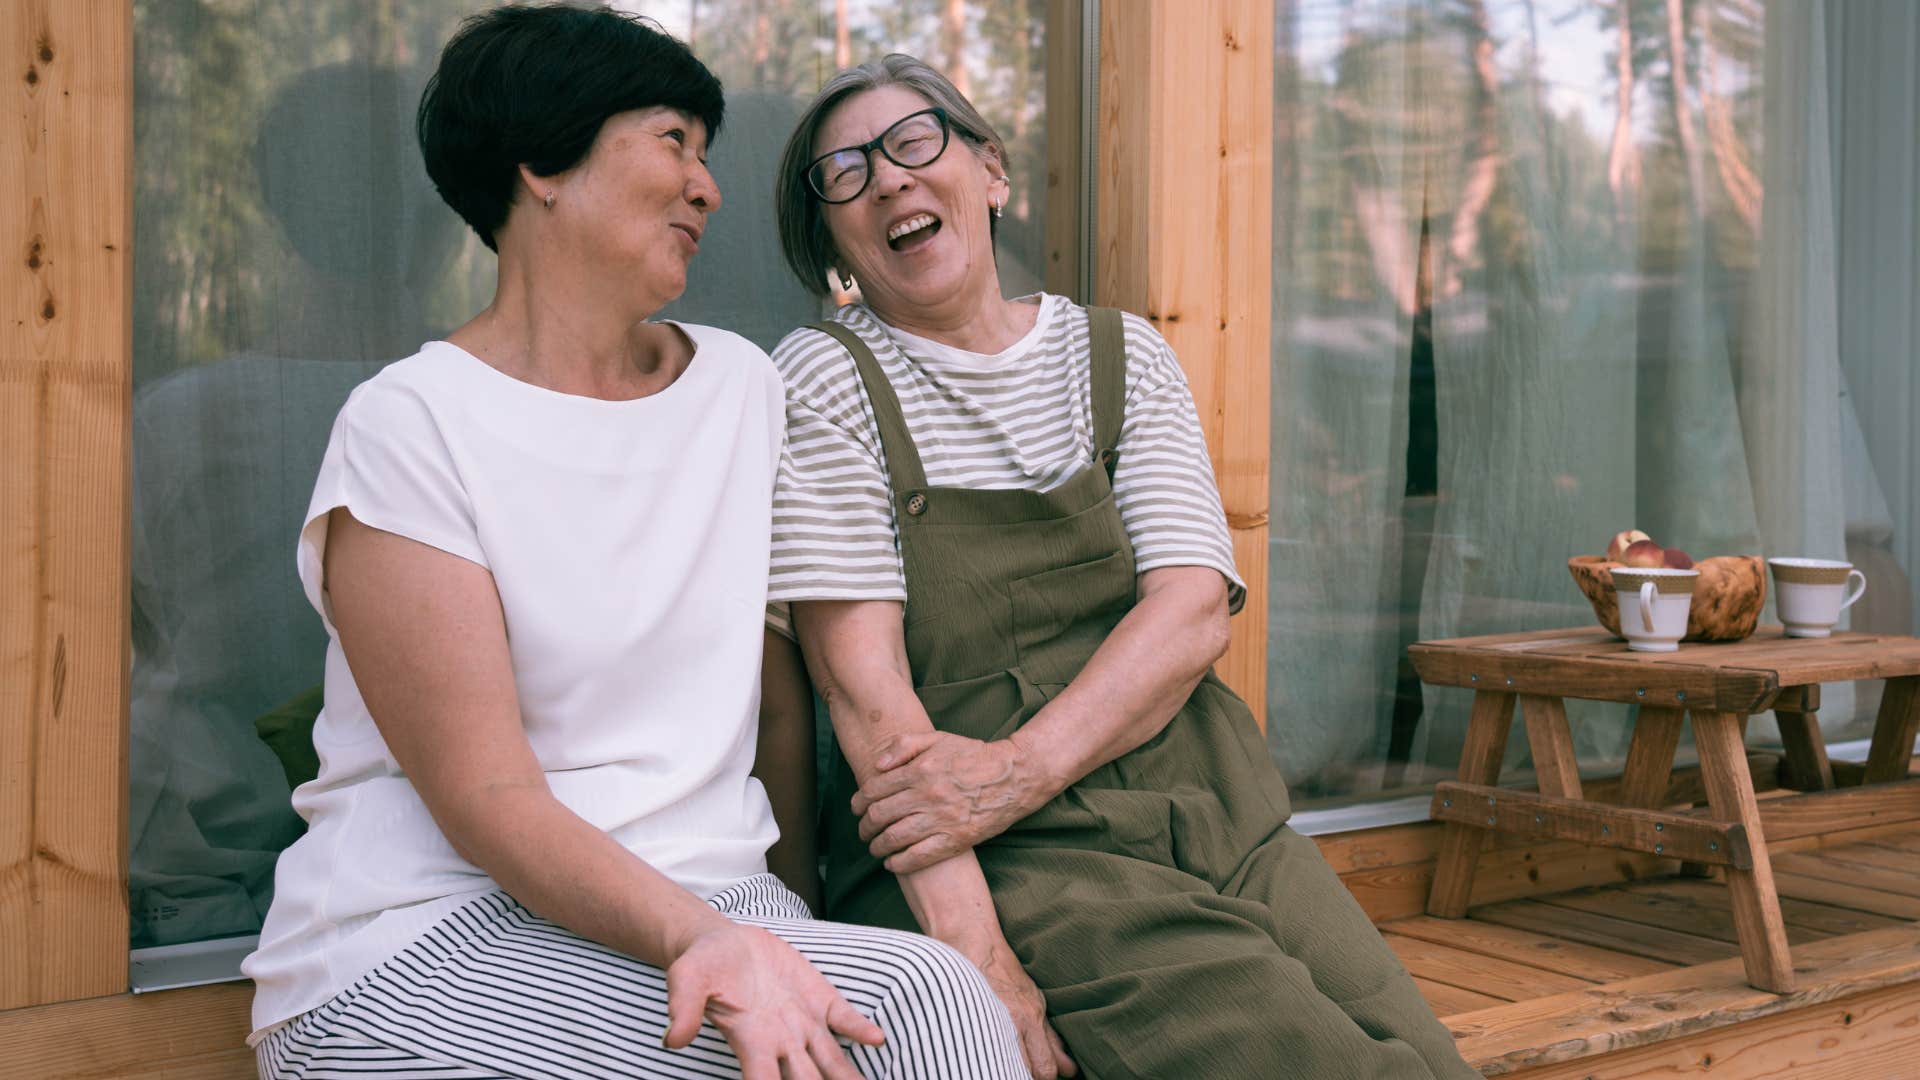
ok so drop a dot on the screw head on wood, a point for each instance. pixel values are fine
(1448, 803)
(1679, 695)
(1509, 680)
(1489, 819)
(1659, 849)
(1713, 845)
(1659, 827)
(1473, 678)
(1642, 692)
(1539, 819)
(1605, 829)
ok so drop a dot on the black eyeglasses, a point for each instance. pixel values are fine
(912, 141)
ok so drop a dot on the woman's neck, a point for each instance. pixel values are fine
(989, 324)
(563, 336)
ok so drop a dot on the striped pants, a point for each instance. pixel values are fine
(494, 990)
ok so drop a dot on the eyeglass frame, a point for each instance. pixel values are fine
(878, 142)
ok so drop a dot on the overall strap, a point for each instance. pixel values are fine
(904, 471)
(1109, 382)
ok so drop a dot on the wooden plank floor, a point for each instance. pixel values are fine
(1549, 985)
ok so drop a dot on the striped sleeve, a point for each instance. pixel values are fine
(833, 530)
(1163, 482)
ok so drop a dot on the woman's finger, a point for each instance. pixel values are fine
(882, 784)
(1039, 1053)
(879, 816)
(931, 851)
(848, 1022)
(755, 1062)
(797, 1063)
(904, 748)
(829, 1058)
(902, 835)
(686, 1007)
(1060, 1058)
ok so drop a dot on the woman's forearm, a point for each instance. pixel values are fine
(857, 659)
(561, 866)
(1135, 682)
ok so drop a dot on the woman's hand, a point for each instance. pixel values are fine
(937, 795)
(775, 1009)
(1045, 1052)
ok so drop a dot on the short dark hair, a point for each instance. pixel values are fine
(532, 85)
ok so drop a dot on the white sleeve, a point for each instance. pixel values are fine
(388, 464)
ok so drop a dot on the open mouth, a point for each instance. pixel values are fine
(913, 232)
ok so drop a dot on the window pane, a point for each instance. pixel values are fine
(1547, 270)
(288, 245)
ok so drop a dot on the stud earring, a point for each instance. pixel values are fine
(549, 200)
(846, 283)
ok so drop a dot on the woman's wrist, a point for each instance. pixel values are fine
(1037, 770)
(688, 925)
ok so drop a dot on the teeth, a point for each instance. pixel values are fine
(918, 221)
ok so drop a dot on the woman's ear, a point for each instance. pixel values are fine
(999, 186)
(539, 189)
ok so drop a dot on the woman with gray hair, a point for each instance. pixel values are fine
(1009, 572)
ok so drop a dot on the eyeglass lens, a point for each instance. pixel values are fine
(911, 142)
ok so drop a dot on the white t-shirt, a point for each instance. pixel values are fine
(629, 544)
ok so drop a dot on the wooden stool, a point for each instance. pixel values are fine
(1719, 685)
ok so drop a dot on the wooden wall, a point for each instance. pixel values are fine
(1184, 236)
(66, 179)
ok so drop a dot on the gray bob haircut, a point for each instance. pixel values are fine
(803, 227)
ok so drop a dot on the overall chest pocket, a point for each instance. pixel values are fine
(1060, 616)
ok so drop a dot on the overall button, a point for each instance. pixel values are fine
(916, 504)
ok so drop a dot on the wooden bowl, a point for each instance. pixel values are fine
(1726, 602)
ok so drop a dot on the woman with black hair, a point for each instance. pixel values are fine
(538, 843)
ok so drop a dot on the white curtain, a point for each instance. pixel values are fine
(1545, 271)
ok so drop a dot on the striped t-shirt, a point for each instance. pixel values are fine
(1019, 419)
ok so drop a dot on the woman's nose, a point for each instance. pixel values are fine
(888, 178)
(702, 190)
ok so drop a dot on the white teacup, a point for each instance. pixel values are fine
(1654, 605)
(1810, 594)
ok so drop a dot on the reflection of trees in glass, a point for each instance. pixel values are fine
(211, 260)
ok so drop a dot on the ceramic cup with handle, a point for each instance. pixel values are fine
(1810, 594)
(1654, 604)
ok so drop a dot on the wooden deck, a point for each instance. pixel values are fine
(1574, 963)
(1643, 978)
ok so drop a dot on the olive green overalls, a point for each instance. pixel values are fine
(1175, 924)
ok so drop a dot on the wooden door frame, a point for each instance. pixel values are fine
(1184, 236)
(66, 361)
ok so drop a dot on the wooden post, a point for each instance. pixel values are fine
(1184, 237)
(66, 168)
(1065, 185)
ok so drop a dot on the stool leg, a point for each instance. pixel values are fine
(1648, 777)
(1480, 758)
(1807, 766)
(1551, 741)
(1756, 906)
(1893, 732)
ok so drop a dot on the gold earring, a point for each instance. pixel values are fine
(549, 200)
